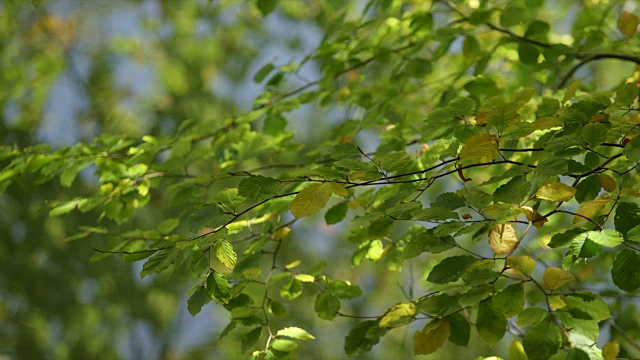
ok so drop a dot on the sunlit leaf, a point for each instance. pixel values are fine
(554, 278)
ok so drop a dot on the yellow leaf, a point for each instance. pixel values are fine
(502, 238)
(590, 209)
(611, 350)
(251, 273)
(305, 278)
(516, 351)
(400, 314)
(339, 190)
(607, 182)
(432, 337)
(480, 148)
(628, 23)
(554, 277)
(533, 215)
(311, 199)
(292, 264)
(282, 233)
(523, 264)
(556, 191)
(556, 302)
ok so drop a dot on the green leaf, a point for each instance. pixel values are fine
(524, 264)
(571, 90)
(542, 340)
(266, 7)
(627, 217)
(224, 252)
(168, 225)
(449, 200)
(594, 134)
(257, 187)
(435, 214)
(516, 351)
(552, 167)
(450, 269)
(250, 339)
(371, 249)
(439, 305)
(587, 304)
(357, 342)
(262, 73)
(343, 289)
(528, 53)
(395, 161)
(510, 300)
(336, 213)
(197, 300)
(63, 209)
(159, 262)
(418, 68)
(36, 3)
(531, 315)
(327, 306)
(291, 289)
(207, 215)
(311, 199)
(295, 333)
(490, 323)
(556, 192)
(218, 287)
(432, 337)
(626, 270)
(502, 116)
(229, 198)
(607, 237)
(460, 330)
(588, 188)
(284, 345)
(514, 191)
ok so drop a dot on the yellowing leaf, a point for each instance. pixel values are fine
(480, 148)
(295, 333)
(628, 23)
(224, 252)
(556, 191)
(339, 190)
(400, 314)
(516, 351)
(502, 238)
(533, 215)
(523, 264)
(432, 337)
(293, 264)
(611, 350)
(282, 233)
(311, 199)
(590, 209)
(305, 278)
(607, 182)
(554, 277)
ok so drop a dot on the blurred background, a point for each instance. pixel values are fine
(73, 69)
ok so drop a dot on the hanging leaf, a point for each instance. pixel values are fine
(218, 287)
(626, 270)
(490, 323)
(311, 199)
(398, 315)
(225, 253)
(542, 340)
(590, 209)
(450, 269)
(502, 238)
(432, 337)
(327, 306)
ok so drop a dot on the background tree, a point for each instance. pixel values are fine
(483, 157)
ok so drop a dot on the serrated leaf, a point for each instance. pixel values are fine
(229, 198)
(594, 134)
(401, 314)
(556, 191)
(395, 161)
(225, 253)
(628, 23)
(590, 209)
(607, 237)
(295, 333)
(479, 149)
(502, 238)
(327, 306)
(450, 269)
(218, 287)
(258, 187)
(432, 337)
(554, 278)
(542, 340)
(626, 270)
(490, 323)
(207, 215)
(502, 116)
